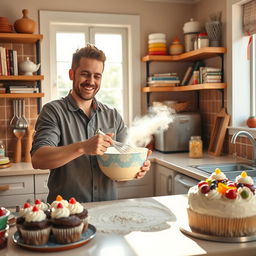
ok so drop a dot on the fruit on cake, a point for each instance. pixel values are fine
(220, 207)
(58, 200)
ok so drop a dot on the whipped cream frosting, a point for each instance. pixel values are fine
(217, 176)
(42, 206)
(75, 208)
(216, 204)
(35, 216)
(24, 211)
(60, 213)
(55, 203)
(244, 180)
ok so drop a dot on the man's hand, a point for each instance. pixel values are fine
(145, 168)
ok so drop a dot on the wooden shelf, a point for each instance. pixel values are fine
(194, 87)
(199, 54)
(21, 78)
(21, 95)
(20, 38)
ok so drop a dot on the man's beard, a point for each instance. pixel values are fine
(79, 93)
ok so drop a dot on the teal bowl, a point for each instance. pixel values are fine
(122, 166)
(4, 219)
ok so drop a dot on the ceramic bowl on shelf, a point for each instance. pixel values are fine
(122, 166)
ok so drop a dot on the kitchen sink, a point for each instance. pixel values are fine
(227, 167)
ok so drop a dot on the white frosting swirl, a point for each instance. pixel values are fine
(221, 206)
(244, 180)
(54, 204)
(75, 208)
(24, 211)
(215, 176)
(60, 213)
(42, 206)
(35, 216)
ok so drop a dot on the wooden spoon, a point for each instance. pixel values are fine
(19, 133)
(28, 145)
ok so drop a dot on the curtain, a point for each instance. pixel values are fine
(249, 17)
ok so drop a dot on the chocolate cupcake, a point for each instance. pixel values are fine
(23, 211)
(36, 228)
(78, 210)
(65, 228)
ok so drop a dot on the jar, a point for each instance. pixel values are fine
(203, 40)
(176, 47)
(195, 147)
(189, 39)
(2, 149)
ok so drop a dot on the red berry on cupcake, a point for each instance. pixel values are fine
(205, 188)
(2, 211)
(231, 194)
(72, 200)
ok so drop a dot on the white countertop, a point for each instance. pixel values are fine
(168, 241)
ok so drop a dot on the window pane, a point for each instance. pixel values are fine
(111, 44)
(67, 43)
(64, 84)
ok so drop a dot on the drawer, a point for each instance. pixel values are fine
(41, 197)
(12, 201)
(16, 185)
(41, 183)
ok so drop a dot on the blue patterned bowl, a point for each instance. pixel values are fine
(119, 166)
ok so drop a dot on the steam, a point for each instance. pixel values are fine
(142, 129)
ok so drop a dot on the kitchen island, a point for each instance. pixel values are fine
(162, 240)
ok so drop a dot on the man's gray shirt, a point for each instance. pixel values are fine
(62, 122)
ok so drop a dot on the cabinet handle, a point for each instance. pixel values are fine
(169, 185)
(4, 187)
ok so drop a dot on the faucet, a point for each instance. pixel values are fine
(252, 140)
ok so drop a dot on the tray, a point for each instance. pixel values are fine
(52, 246)
(184, 228)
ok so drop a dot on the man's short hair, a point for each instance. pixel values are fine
(89, 51)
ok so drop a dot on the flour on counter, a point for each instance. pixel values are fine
(122, 218)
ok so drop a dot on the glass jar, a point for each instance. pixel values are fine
(2, 149)
(195, 147)
(203, 40)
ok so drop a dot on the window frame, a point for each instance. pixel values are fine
(131, 22)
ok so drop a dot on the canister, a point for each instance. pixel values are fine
(203, 40)
(195, 147)
(189, 41)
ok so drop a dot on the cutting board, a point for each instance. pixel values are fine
(218, 132)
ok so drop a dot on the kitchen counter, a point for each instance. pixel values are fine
(167, 241)
(176, 161)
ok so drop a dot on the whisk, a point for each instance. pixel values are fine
(120, 147)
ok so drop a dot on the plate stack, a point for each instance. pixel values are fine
(5, 27)
(157, 44)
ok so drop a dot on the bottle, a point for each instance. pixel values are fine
(203, 40)
(2, 149)
(195, 147)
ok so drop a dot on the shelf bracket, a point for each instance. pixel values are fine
(147, 75)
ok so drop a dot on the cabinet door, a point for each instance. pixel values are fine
(164, 178)
(13, 200)
(41, 183)
(137, 188)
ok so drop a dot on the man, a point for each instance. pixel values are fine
(66, 141)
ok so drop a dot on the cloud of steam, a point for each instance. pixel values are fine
(142, 129)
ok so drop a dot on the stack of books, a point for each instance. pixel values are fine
(8, 62)
(23, 89)
(210, 75)
(164, 79)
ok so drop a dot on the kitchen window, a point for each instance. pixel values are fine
(116, 35)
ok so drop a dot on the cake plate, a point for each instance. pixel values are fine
(52, 246)
(184, 228)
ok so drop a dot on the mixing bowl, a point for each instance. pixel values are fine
(122, 166)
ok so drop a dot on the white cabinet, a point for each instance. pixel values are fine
(137, 188)
(164, 180)
(41, 188)
(15, 190)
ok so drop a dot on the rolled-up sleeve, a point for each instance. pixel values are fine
(47, 129)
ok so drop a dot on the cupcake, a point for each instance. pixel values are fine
(23, 211)
(78, 210)
(36, 228)
(58, 200)
(44, 207)
(65, 228)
